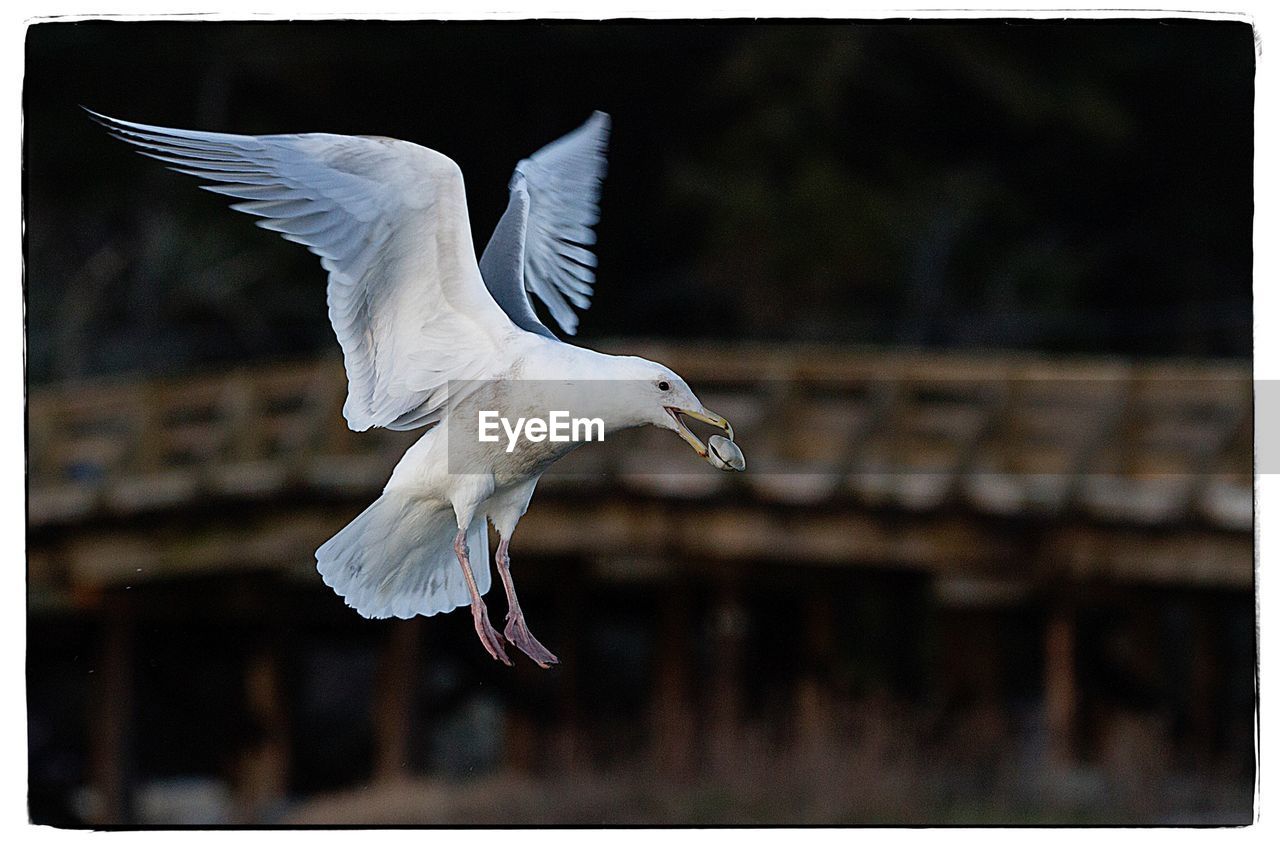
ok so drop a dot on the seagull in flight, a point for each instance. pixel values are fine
(432, 340)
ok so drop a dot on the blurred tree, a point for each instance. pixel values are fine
(966, 185)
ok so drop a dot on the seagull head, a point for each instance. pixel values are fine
(657, 396)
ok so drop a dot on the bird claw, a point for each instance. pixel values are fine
(517, 633)
(488, 637)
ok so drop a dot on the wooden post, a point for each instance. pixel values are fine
(1061, 698)
(812, 704)
(729, 627)
(520, 743)
(110, 727)
(393, 710)
(1204, 687)
(567, 746)
(264, 767)
(672, 717)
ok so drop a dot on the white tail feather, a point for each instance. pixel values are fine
(396, 559)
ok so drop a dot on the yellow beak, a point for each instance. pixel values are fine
(707, 417)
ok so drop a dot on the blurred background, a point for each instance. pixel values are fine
(976, 296)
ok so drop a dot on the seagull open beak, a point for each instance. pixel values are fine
(707, 417)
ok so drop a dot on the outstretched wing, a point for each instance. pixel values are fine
(389, 222)
(540, 244)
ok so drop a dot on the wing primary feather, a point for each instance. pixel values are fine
(388, 221)
(562, 181)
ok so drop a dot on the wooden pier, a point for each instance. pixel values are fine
(997, 479)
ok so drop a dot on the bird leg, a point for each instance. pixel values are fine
(517, 632)
(479, 613)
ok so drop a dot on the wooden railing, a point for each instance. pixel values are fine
(1133, 452)
(1137, 443)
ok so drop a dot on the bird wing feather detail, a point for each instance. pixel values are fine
(541, 243)
(388, 220)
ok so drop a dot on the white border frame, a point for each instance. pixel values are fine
(13, 779)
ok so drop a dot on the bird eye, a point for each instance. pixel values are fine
(664, 385)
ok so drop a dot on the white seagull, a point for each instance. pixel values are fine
(432, 338)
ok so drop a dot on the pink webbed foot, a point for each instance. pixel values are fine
(517, 632)
(488, 636)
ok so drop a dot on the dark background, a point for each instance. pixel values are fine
(1008, 187)
(1081, 187)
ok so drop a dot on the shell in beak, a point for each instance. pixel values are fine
(707, 417)
(724, 454)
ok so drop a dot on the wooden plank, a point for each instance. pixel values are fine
(1197, 558)
(693, 532)
(280, 541)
